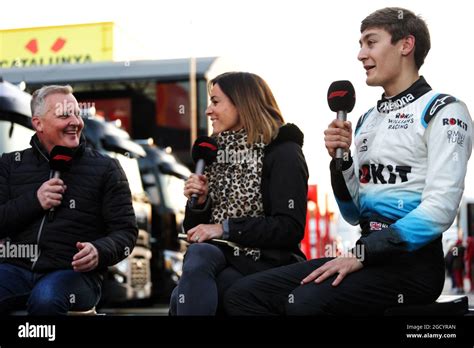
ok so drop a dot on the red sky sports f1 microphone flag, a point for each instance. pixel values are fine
(341, 99)
(60, 161)
(204, 153)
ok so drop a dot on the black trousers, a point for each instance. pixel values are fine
(414, 278)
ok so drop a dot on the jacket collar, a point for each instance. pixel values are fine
(415, 91)
(288, 132)
(40, 151)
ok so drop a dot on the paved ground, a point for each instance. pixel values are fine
(157, 310)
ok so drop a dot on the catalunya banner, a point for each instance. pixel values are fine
(67, 44)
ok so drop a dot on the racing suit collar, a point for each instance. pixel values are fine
(416, 90)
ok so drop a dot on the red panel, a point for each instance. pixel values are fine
(172, 106)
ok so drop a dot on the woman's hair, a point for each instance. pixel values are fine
(257, 108)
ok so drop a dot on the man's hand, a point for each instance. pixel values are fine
(50, 193)
(86, 259)
(338, 135)
(203, 232)
(342, 265)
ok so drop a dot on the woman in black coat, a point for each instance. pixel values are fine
(254, 196)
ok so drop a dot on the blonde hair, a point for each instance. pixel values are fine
(39, 96)
(257, 108)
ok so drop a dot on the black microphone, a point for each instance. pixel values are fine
(341, 99)
(204, 152)
(60, 160)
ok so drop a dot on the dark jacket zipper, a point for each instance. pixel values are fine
(44, 217)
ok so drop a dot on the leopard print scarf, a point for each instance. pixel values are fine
(235, 177)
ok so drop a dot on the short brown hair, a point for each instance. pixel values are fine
(400, 23)
(255, 103)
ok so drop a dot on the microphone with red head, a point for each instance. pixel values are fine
(341, 99)
(60, 160)
(204, 153)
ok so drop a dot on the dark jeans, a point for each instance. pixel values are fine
(52, 293)
(369, 291)
(206, 276)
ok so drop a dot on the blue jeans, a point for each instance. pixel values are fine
(52, 293)
(206, 276)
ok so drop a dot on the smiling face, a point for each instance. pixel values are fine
(61, 123)
(222, 112)
(382, 60)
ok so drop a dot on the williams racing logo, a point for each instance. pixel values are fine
(383, 174)
(401, 121)
(455, 122)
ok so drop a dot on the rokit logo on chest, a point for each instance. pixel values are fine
(375, 173)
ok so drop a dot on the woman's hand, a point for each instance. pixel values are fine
(204, 232)
(338, 135)
(342, 265)
(197, 184)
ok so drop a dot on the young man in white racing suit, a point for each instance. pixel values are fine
(403, 185)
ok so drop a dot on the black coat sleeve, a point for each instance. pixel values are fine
(285, 202)
(19, 211)
(119, 218)
(198, 215)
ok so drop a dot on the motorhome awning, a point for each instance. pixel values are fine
(159, 70)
